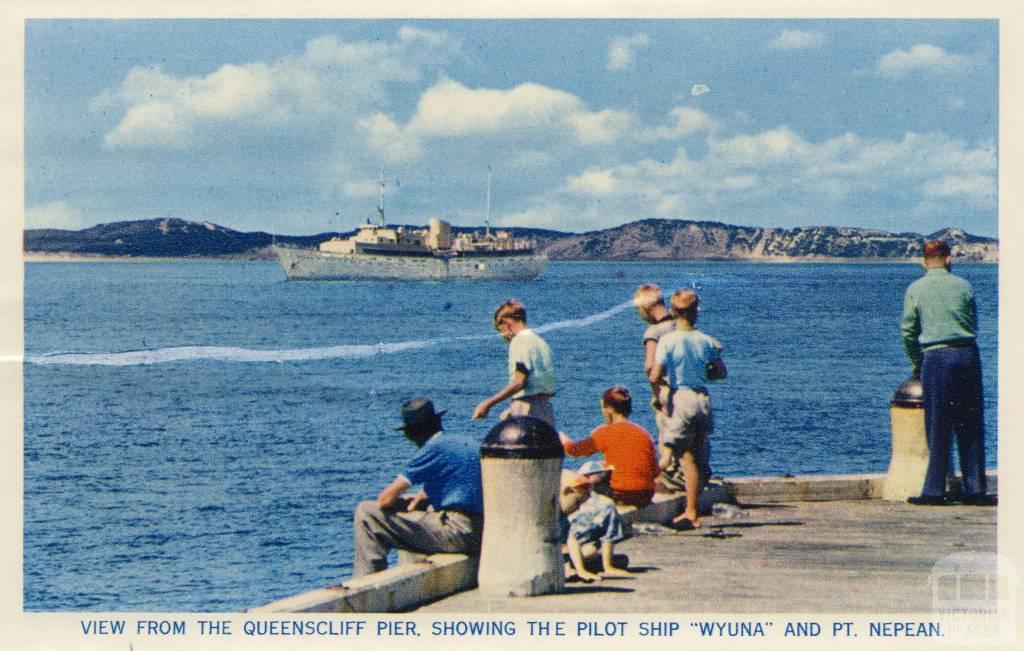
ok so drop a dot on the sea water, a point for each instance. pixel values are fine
(198, 434)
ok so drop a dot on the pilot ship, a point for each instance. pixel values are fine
(383, 252)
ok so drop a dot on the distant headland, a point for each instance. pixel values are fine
(648, 239)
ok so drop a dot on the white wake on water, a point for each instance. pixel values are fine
(236, 354)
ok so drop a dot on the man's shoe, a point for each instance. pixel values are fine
(980, 500)
(925, 500)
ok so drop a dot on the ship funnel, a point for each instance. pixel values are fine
(439, 234)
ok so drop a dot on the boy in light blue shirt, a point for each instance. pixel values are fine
(684, 360)
(531, 377)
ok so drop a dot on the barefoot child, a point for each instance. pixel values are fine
(592, 521)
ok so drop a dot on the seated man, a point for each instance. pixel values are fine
(448, 468)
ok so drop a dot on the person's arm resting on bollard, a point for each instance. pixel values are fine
(583, 448)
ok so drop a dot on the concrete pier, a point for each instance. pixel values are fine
(849, 556)
(807, 544)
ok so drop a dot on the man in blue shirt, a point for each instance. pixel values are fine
(938, 328)
(448, 469)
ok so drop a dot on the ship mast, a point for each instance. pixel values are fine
(487, 216)
(380, 208)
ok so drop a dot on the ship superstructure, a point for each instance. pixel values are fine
(380, 251)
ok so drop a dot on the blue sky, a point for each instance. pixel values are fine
(284, 125)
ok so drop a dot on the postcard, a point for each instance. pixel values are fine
(412, 325)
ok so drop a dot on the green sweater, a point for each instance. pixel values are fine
(937, 309)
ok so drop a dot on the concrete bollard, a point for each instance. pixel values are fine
(521, 466)
(909, 443)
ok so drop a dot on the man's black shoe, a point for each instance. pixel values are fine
(924, 500)
(980, 500)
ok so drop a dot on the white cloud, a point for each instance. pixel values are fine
(764, 176)
(622, 51)
(601, 127)
(532, 158)
(55, 214)
(793, 39)
(332, 81)
(361, 189)
(436, 40)
(451, 109)
(699, 89)
(743, 182)
(544, 212)
(153, 125)
(977, 189)
(775, 146)
(388, 139)
(915, 156)
(923, 58)
(527, 113)
(682, 121)
(595, 182)
(669, 206)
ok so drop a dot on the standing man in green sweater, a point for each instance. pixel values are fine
(938, 327)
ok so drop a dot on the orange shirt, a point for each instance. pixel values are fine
(628, 448)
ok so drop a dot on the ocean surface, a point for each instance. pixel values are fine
(198, 434)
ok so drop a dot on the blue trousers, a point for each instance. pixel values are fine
(953, 403)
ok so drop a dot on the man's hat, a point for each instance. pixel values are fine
(418, 413)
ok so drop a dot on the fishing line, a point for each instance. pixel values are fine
(236, 354)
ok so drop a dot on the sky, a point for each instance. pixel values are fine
(285, 126)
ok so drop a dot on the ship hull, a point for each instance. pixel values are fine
(310, 264)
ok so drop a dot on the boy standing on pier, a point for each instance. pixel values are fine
(684, 360)
(531, 376)
(650, 307)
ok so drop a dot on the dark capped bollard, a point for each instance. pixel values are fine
(521, 466)
(909, 443)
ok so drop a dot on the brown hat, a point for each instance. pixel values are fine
(418, 413)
